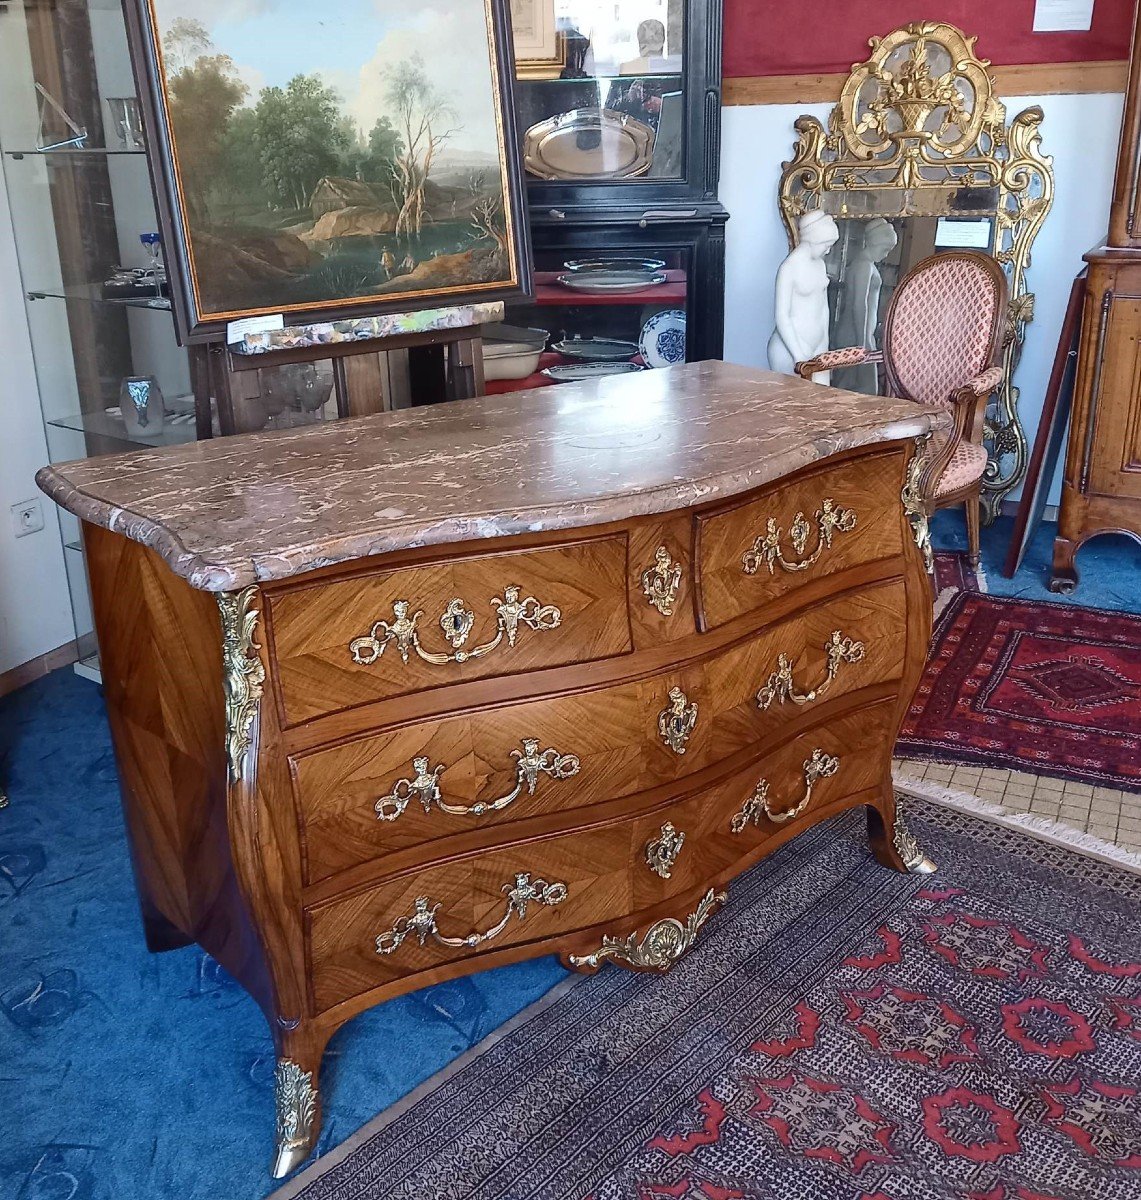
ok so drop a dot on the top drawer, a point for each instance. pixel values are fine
(820, 522)
(388, 633)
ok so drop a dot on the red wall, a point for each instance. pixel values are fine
(802, 37)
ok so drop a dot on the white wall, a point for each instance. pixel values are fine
(35, 609)
(1080, 132)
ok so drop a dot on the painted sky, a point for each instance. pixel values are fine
(352, 45)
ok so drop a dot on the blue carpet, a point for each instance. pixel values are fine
(128, 1075)
(1109, 567)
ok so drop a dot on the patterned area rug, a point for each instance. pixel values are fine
(840, 1032)
(1046, 688)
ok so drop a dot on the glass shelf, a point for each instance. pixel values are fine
(92, 295)
(101, 151)
(107, 425)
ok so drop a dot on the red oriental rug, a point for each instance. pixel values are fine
(839, 1032)
(1052, 689)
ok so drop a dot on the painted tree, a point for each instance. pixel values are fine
(300, 137)
(486, 210)
(202, 99)
(423, 120)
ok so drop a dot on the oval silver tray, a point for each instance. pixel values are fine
(614, 264)
(592, 349)
(596, 370)
(589, 143)
(612, 282)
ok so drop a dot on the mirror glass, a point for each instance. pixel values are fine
(875, 252)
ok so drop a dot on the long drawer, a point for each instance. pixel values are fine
(413, 785)
(388, 633)
(817, 524)
(577, 879)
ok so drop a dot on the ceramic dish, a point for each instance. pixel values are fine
(594, 349)
(615, 264)
(611, 282)
(662, 343)
(511, 351)
(594, 370)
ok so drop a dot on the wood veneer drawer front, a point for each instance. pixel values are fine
(414, 785)
(388, 633)
(820, 767)
(811, 526)
(558, 884)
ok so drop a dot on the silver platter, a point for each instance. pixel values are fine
(589, 143)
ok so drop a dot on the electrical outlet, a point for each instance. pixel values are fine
(27, 517)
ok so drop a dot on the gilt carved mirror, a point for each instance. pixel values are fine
(916, 158)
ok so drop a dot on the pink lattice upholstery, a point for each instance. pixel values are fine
(833, 360)
(942, 327)
(987, 382)
(966, 465)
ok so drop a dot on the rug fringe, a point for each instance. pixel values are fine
(1041, 828)
(942, 600)
(981, 582)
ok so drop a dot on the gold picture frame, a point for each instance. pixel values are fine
(407, 195)
(540, 46)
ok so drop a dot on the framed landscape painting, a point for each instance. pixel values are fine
(327, 161)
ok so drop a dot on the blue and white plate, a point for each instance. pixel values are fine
(663, 338)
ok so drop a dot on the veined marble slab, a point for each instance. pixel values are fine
(234, 511)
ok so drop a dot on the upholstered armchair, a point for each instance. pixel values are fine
(942, 339)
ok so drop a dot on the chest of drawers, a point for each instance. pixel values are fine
(386, 712)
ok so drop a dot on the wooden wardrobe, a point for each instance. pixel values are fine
(1101, 490)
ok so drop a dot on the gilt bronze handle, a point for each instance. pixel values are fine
(819, 766)
(766, 550)
(421, 923)
(780, 687)
(661, 582)
(456, 621)
(424, 785)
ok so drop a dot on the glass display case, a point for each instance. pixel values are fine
(111, 374)
(619, 109)
(76, 174)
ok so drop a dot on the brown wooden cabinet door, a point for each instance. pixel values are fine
(1115, 445)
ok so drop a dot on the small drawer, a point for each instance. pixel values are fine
(818, 523)
(389, 633)
(413, 785)
(581, 878)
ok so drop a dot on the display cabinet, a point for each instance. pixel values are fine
(619, 115)
(75, 169)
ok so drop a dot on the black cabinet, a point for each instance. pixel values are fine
(620, 116)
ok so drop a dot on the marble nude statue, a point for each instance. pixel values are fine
(858, 318)
(802, 297)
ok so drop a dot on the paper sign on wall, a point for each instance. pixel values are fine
(968, 235)
(1052, 16)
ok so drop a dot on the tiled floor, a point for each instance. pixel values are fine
(1107, 813)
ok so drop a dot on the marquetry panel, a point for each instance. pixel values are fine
(613, 732)
(313, 626)
(1115, 450)
(861, 523)
(604, 869)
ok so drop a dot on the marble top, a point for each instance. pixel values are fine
(240, 510)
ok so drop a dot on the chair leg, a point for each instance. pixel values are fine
(971, 504)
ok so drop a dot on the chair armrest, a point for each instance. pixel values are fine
(832, 360)
(965, 402)
(984, 384)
